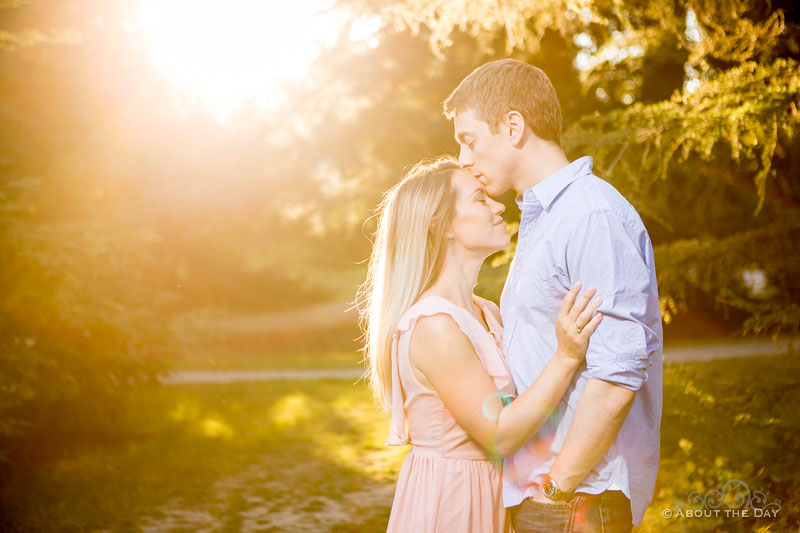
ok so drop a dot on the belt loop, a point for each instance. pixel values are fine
(576, 501)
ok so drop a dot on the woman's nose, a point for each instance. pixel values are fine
(497, 207)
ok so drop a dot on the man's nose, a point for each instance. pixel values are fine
(463, 158)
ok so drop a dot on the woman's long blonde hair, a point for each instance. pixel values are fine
(407, 257)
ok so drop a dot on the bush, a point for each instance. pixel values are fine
(80, 327)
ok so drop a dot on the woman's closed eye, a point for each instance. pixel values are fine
(480, 196)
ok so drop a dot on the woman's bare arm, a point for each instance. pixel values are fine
(446, 358)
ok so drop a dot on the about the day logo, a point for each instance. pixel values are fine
(733, 500)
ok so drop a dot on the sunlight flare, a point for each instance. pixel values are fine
(227, 54)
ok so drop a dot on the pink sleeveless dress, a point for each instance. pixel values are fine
(448, 483)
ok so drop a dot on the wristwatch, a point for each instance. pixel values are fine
(551, 490)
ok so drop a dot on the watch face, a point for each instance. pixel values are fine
(549, 488)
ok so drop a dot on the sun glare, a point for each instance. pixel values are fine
(228, 53)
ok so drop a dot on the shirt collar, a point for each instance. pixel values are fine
(545, 192)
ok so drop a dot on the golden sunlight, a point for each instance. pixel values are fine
(228, 53)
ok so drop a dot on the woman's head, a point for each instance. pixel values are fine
(437, 209)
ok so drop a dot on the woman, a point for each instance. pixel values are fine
(434, 352)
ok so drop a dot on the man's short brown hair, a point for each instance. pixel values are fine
(496, 88)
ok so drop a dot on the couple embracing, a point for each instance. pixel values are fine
(544, 414)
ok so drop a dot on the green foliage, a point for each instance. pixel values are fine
(81, 326)
(770, 251)
(14, 40)
(690, 108)
(737, 31)
(747, 108)
(523, 24)
(719, 424)
(80, 329)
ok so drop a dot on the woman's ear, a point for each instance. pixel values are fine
(449, 233)
(514, 127)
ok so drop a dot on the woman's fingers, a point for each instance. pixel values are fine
(589, 328)
(569, 299)
(587, 313)
(580, 304)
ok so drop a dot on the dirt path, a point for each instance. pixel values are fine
(232, 376)
(254, 500)
(671, 355)
(728, 350)
(300, 320)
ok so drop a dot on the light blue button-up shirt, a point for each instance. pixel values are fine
(576, 227)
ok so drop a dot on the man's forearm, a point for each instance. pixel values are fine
(601, 410)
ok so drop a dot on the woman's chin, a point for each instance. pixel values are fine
(500, 247)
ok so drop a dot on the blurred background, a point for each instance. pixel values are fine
(188, 185)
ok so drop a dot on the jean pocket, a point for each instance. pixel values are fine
(550, 505)
(535, 517)
(615, 515)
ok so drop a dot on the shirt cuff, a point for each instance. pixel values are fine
(628, 373)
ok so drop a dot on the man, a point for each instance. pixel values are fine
(593, 465)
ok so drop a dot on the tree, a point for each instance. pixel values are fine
(690, 108)
(80, 323)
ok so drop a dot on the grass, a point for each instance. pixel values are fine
(309, 456)
(226, 457)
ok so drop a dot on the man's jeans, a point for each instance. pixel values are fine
(609, 512)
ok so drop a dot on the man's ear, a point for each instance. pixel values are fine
(514, 127)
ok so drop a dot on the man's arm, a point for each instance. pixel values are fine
(601, 411)
(602, 254)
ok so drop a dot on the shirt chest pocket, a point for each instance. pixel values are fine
(545, 290)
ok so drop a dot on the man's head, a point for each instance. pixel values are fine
(492, 108)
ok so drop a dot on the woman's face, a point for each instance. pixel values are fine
(477, 224)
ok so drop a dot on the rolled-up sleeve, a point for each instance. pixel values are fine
(602, 253)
